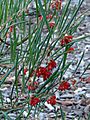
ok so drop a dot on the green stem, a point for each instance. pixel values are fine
(64, 61)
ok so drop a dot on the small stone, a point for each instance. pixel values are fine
(3, 89)
(12, 116)
(52, 115)
(67, 96)
(57, 94)
(88, 95)
(78, 90)
(87, 109)
(49, 106)
(42, 116)
(25, 114)
(8, 100)
(81, 93)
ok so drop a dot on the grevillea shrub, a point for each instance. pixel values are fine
(34, 47)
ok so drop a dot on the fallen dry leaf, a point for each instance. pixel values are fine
(85, 101)
(66, 102)
(87, 80)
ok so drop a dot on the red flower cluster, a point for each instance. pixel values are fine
(66, 40)
(52, 24)
(73, 82)
(64, 86)
(52, 100)
(11, 28)
(51, 65)
(34, 101)
(45, 71)
(56, 4)
(32, 87)
(25, 71)
(71, 49)
(40, 17)
(42, 71)
(47, 17)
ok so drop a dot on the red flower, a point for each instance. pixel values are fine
(66, 40)
(40, 17)
(34, 101)
(35, 83)
(31, 86)
(49, 16)
(68, 37)
(46, 75)
(51, 65)
(62, 42)
(71, 49)
(25, 71)
(64, 86)
(52, 24)
(56, 4)
(40, 71)
(52, 100)
(73, 82)
(52, 6)
(11, 29)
